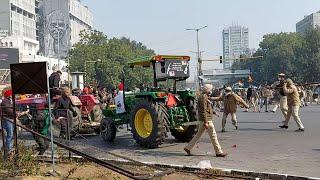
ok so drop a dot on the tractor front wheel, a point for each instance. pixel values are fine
(108, 129)
(148, 124)
(187, 134)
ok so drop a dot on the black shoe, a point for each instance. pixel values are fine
(221, 155)
(283, 127)
(300, 130)
(41, 152)
(236, 127)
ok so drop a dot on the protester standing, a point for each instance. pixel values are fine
(206, 114)
(41, 125)
(7, 114)
(54, 83)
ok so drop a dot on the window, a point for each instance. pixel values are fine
(11, 44)
(6, 44)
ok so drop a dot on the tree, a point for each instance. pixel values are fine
(291, 53)
(114, 54)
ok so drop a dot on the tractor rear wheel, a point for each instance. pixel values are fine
(187, 134)
(149, 123)
(108, 129)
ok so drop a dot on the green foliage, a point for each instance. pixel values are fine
(114, 54)
(294, 54)
(26, 164)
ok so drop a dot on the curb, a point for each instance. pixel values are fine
(216, 170)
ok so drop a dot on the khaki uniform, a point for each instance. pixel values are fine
(283, 99)
(206, 115)
(230, 102)
(294, 103)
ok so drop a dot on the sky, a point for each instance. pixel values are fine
(161, 24)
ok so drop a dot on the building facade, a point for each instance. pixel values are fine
(60, 22)
(235, 42)
(310, 21)
(18, 25)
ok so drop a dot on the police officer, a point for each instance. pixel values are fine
(293, 104)
(206, 114)
(278, 86)
(230, 101)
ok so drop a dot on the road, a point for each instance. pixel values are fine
(258, 145)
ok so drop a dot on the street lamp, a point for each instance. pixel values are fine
(198, 48)
(58, 29)
(85, 68)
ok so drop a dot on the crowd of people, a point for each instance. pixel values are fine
(283, 93)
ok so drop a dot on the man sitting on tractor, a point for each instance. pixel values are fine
(63, 107)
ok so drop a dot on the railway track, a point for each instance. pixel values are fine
(128, 167)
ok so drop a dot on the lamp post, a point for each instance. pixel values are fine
(198, 49)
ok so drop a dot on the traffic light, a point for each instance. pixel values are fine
(220, 59)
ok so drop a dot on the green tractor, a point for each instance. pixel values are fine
(154, 112)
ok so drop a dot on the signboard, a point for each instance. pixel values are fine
(29, 78)
(172, 69)
(8, 56)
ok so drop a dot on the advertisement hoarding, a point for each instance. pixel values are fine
(8, 56)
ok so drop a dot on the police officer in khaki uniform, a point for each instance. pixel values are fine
(293, 104)
(206, 114)
(230, 101)
(278, 86)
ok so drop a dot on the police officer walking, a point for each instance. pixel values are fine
(230, 101)
(293, 104)
(206, 114)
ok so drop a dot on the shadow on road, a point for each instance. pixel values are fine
(259, 129)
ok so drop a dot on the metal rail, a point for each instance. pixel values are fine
(102, 162)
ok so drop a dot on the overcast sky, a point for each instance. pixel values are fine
(161, 24)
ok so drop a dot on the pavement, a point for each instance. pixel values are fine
(258, 145)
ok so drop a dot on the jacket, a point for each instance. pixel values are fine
(7, 108)
(230, 102)
(292, 95)
(205, 108)
(54, 80)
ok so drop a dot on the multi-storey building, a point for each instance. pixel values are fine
(18, 25)
(310, 21)
(235, 42)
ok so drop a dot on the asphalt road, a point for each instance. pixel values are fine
(258, 145)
